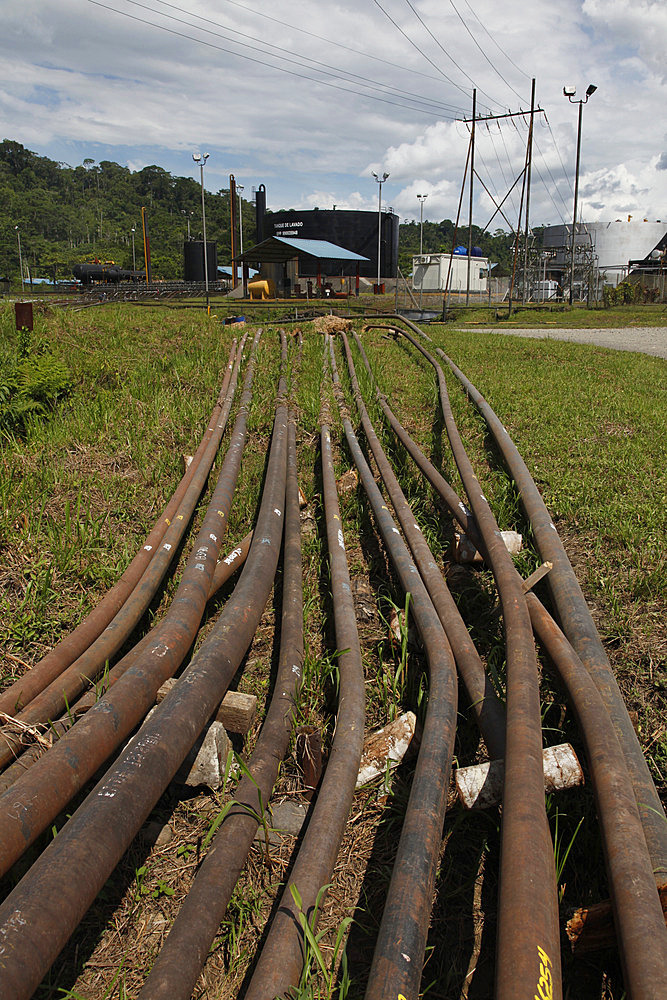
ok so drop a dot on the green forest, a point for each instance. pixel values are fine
(67, 215)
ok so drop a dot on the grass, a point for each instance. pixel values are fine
(82, 483)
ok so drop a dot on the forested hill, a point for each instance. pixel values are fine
(71, 214)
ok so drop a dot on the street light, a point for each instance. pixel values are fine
(134, 259)
(569, 92)
(380, 181)
(201, 159)
(18, 233)
(239, 188)
(422, 199)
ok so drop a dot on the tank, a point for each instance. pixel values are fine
(193, 261)
(613, 243)
(461, 251)
(356, 231)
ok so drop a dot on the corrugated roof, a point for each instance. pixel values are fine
(277, 249)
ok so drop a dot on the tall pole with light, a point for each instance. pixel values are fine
(380, 181)
(134, 259)
(422, 199)
(569, 92)
(18, 233)
(201, 159)
(239, 188)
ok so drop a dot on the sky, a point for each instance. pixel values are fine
(308, 98)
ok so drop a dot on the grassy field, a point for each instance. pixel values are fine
(96, 410)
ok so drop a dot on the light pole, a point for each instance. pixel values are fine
(422, 199)
(569, 92)
(18, 233)
(134, 259)
(239, 188)
(380, 181)
(201, 159)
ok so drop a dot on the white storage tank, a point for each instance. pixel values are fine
(613, 243)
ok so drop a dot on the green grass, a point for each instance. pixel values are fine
(82, 482)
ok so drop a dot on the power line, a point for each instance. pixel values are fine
(336, 70)
(261, 62)
(495, 42)
(495, 70)
(421, 51)
(444, 50)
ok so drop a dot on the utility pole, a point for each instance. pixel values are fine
(530, 164)
(472, 174)
(422, 198)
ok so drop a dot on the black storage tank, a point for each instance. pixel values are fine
(356, 231)
(193, 261)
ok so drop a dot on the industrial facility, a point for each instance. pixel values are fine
(355, 231)
(604, 252)
(456, 272)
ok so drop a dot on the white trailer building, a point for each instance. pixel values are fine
(429, 272)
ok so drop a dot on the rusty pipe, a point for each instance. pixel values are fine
(182, 957)
(522, 951)
(279, 964)
(73, 645)
(41, 793)
(485, 704)
(579, 627)
(399, 952)
(224, 570)
(63, 690)
(638, 916)
(43, 910)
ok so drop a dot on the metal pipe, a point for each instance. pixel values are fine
(521, 950)
(638, 916)
(224, 570)
(279, 964)
(625, 848)
(485, 704)
(397, 970)
(63, 690)
(73, 645)
(579, 627)
(184, 953)
(40, 794)
(48, 901)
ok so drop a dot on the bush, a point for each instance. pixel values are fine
(31, 383)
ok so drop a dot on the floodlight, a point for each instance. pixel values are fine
(591, 89)
(569, 90)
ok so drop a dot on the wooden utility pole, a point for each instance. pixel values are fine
(472, 174)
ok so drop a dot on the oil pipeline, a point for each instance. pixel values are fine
(113, 752)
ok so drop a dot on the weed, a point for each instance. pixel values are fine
(318, 978)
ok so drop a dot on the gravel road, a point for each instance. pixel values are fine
(644, 339)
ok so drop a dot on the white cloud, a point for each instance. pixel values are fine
(77, 79)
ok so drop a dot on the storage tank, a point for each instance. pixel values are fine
(356, 231)
(613, 243)
(193, 261)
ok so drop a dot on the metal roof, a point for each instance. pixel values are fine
(278, 249)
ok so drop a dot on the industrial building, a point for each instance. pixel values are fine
(356, 231)
(431, 271)
(604, 249)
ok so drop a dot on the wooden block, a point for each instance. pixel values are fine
(237, 712)
(465, 552)
(591, 928)
(481, 786)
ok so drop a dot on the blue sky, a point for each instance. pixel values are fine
(83, 79)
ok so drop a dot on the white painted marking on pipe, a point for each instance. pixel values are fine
(148, 548)
(340, 539)
(167, 547)
(276, 511)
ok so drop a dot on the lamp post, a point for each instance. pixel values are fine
(201, 159)
(18, 233)
(134, 259)
(239, 188)
(422, 199)
(569, 92)
(380, 181)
